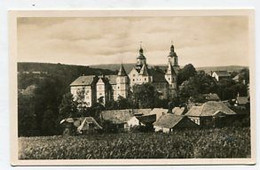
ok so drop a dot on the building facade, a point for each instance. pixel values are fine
(111, 87)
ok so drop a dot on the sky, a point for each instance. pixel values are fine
(200, 40)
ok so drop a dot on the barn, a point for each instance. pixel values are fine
(168, 122)
(211, 114)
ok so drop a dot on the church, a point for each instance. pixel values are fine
(111, 87)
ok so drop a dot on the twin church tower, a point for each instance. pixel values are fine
(112, 87)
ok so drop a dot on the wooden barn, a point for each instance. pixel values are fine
(168, 122)
(211, 114)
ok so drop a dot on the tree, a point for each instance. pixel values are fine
(68, 107)
(26, 116)
(196, 86)
(50, 123)
(185, 73)
(145, 95)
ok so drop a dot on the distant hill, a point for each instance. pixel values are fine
(220, 68)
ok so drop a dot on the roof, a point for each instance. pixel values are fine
(112, 78)
(178, 110)
(168, 120)
(144, 70)
(170, 70)
(222, 73)
(83, 81)
(236, 78)
(211, 97)
(89, 120)
(147, 119)
(210, 108)
(117, 116)
(242, 100)
(142, 111)
(122, 71)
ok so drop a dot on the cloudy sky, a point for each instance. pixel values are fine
(202, 41)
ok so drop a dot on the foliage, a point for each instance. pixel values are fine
(232, 142)
(185, 73)
(145, 95)
(197, 85)
(68, 107)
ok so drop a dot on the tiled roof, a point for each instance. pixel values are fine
(178, 110)
(122, 71)
(210, 108)
(83, 81)
(168, 120)
(117, 116)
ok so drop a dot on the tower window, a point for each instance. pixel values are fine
(133, 75)
(133, 79)
(144, 79)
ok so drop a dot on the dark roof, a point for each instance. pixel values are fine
(83, 81)
(147, 119)
(242, 100)
(222, 73)
(144, 71)
(168, 120)
(122, 71)
(210, 108)
(170, 70)
(112, 78)
(117, 116)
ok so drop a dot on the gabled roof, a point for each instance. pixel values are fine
(117, 116)
(210, 108)
(122, 71)
(242, 100)
(147, 119)
(222, 73)
(170, 70)
(80, 122)
(168, 120)
(144, 71)
(83, 81)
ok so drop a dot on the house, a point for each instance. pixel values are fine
(211, 114)
(242, 102)
(220, 75)
(168, 122)
(80, 125)
(211, 97)
(158, 112)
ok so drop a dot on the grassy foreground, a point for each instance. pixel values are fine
(207, 143)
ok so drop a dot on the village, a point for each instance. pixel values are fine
(210, 112)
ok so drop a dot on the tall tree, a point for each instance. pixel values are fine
(185, 73)
(68, 107)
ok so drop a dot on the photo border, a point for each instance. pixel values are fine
(14, 14)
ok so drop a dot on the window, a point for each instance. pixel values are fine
(100, 94)
(133, 79)
(144, 79)
(133, 75)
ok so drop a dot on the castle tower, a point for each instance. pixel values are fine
(140, 60)
(144, 74)
(122, 83)
(173, 58)
(171, 78)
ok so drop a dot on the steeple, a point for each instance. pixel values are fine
(172, 57)
(140, 60)
(122, 71)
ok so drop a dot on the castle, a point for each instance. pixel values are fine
(111, 87)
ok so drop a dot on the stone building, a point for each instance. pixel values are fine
(110, 87)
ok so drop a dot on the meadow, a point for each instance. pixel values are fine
(228, 142)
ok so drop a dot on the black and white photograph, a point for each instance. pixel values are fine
(132, 87)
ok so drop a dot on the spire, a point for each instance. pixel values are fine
(170, 70)
(144, 71)
(122, 71)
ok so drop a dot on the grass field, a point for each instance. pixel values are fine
(210, 143)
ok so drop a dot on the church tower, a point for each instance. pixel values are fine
(140, 60)
(171, 78)
(122, 83)
(173, 59)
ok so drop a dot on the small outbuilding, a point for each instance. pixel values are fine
(211, 114)
(168, 122)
